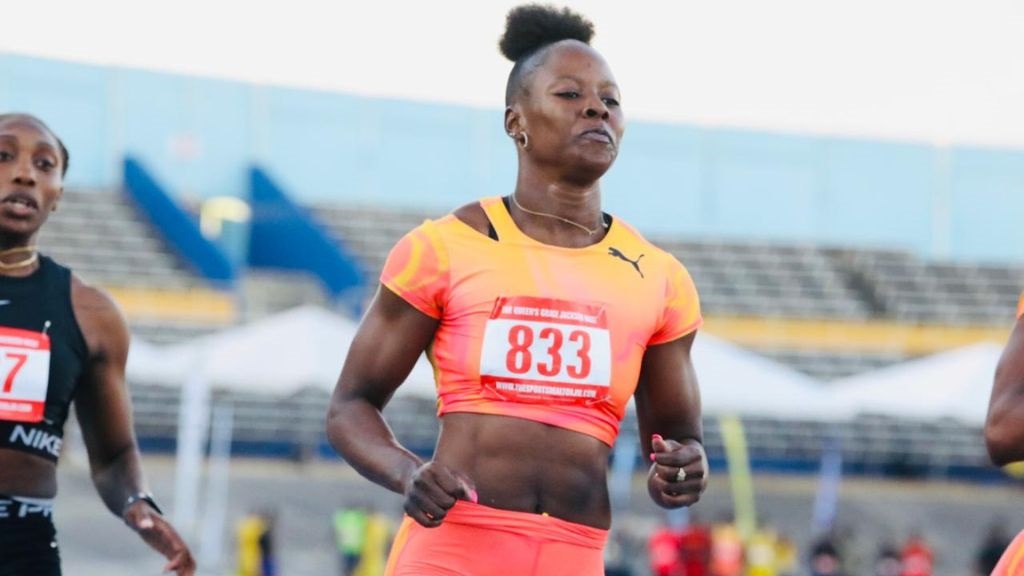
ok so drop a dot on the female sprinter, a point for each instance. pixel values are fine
(60, 340)
(542, 316)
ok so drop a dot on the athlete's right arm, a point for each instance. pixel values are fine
(1004, 428)
(387, 345)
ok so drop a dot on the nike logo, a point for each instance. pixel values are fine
(635, 263)
(4, 302)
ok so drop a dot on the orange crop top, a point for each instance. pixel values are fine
(549, 334)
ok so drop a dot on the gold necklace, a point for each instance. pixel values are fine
(22, 263)
(604, 223)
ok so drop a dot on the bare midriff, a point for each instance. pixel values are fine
(22, 474)
(527, 466)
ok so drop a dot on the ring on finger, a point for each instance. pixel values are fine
(681, 475)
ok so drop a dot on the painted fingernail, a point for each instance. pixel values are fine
(652, 456)
(656, 437)
(472, 496)
(146, 523)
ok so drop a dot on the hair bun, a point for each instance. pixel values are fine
(530, 27)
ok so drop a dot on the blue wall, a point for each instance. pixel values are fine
(199, 136)
(177, 226)
(287, 237)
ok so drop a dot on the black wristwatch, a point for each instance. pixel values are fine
(143, 496)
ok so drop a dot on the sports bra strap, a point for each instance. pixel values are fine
(501, 220)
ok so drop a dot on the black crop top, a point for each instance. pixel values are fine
(41, 348)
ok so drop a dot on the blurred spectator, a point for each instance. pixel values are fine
(249, 556)
(761, 559)
(786, 555)
(265, 542)
(663, 551)
(888, 562)
(917, 556)
(726, 550)
(695, 547)
(991, 549)
(375, 547)
(620, 553)
(350, 537)
(825, 557)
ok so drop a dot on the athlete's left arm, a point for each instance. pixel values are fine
(1004, 428)
(668, 412)
(103, 407)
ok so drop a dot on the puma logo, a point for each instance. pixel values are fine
(635, 263)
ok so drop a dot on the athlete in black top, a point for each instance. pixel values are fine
(60, 340)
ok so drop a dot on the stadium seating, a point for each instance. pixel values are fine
(908, 289)
(778, 281)
(369, 232)
(771, 279)
(293, 426)
(105, 240)
(101, 236)
(768, 280)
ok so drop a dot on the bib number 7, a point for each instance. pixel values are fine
(24, 374)
(12, 373)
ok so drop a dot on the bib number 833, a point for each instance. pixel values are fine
(520, 358)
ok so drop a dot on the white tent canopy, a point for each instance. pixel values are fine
(735, 380)
(954, 384)
(144, 360)
(306, 347)
(299, 348)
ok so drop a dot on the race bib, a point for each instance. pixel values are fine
(24, 374)
(545, 350)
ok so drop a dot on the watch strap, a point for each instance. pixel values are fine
(146, 497)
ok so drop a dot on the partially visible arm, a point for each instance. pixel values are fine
(389, 342)
(667, 396)
(102, 403)
(104, 412)
(669, 416)
(1004, 428)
